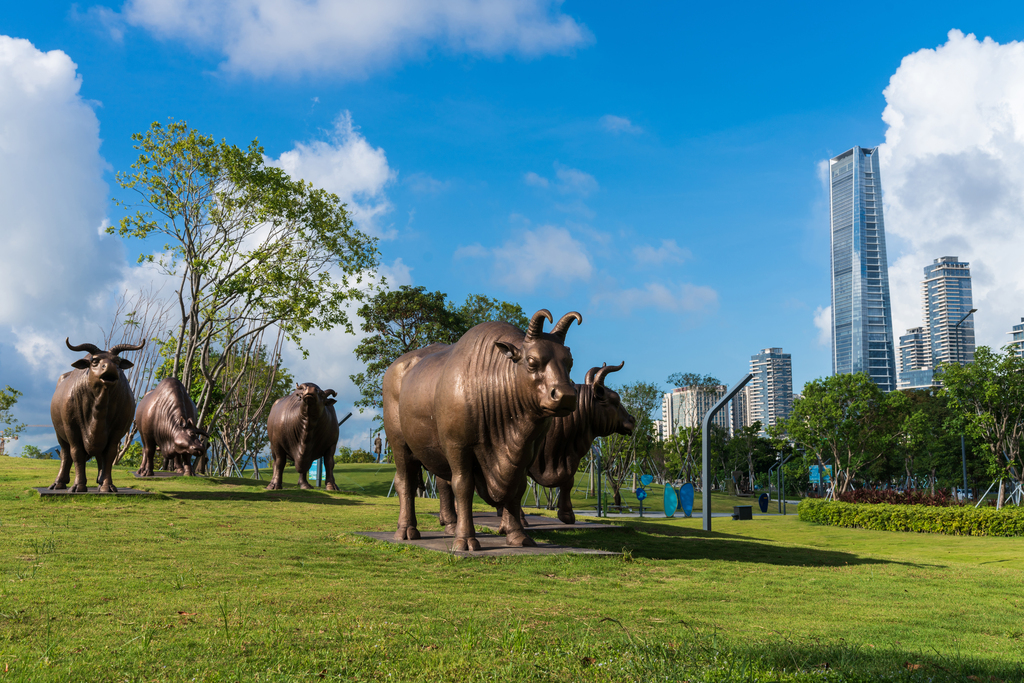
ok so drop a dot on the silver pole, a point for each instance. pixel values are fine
(705, 476)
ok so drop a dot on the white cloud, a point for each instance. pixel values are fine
(953, 175)
(675, 298)
(568, 181)
(574, 181)
(534, 257)
(347, 165)
(619, 124)
(823, 321)
(353, 38)
(534, 180)
(52, 194)
(668, 252)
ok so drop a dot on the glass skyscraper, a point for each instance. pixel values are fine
(862, 338)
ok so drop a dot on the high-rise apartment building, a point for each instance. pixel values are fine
(739, 410)
(770, 392)
(1017, 338)
(946, 298)
(946, 291)
(862, 338)
(686, 407)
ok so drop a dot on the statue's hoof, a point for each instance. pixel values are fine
(407, 533)
(273, 486)
(79, 488)
(305, 486)
(518, 539)
(108, 488)
(58, 486)
(567, 517)
(466, 545)
(331, 486)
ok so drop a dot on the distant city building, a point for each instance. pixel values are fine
(862, 339)
(661, 429)
(915, 360)
(770, 392)
(739, 410)
(946, 298)
(1017, 338)
(685, 407)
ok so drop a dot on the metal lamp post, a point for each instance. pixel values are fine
(959, 360)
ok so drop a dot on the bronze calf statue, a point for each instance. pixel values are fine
(599, 412)
(166, 420)
(92, 409)
(303, 427)
(475, 413)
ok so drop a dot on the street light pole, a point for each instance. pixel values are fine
(959, 359)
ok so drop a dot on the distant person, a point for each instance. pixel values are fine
(376, 448)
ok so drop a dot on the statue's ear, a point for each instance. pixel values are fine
(599, 391)
(330, 402)
(511, 351)
(80, 364)
(124, 364)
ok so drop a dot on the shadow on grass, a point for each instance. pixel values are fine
(296, 495)
(697, 544)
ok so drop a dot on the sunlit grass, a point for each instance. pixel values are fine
(217, 579)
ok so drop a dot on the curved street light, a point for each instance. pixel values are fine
(959, 360)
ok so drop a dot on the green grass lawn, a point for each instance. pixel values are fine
(219, 580)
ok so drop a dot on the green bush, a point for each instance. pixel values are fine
(30, 451)
(958, 521)
(347, 456)
(133, 456)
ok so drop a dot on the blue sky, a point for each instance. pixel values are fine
(653, 165)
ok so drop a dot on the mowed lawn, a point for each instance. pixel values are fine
(217, 579)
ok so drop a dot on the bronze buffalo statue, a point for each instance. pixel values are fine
(303, 427)
(166, 420)
(599, 412)
(475, 413)
(92, 409)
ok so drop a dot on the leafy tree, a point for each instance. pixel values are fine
(30, 451)
(688, 442)
(987, 398)
(250, 248)
(347, 456)
(624, 455)
(10, 427)
(748, 447)
(847, 420)
(410, 318)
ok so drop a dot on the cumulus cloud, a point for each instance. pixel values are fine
(52, 194)
(534, 257)
(352, 38)
(668, 252)
(350, 167)
(953, 175)
(675, 298)
(619, 124)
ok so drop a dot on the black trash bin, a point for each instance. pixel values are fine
(742, 512)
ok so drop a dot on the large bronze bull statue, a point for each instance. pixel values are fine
(599, 412)
(303, 427)
(92, 409)
(475, 413)
(166, 420)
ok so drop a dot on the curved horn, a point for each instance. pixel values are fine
(589, 379)
(89, 348)
(536, 327)
(331, 392)
(127, 347)
(605, 369)
(562, 326)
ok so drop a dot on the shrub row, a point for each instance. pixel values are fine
(940, 498)
(960, 521)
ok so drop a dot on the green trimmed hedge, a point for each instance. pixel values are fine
(959, 521)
